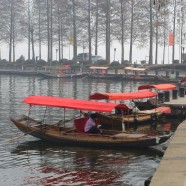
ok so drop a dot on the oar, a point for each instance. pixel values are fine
(22, 135)
(14, 138)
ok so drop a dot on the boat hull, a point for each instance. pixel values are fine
(51, 75)
(68, 136)
(115, 121)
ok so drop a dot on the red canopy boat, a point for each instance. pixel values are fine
(123, 96)
(71, 103)
(74, 135)
(127, 116)
(158, 87)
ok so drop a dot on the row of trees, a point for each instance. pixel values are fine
(85, 23)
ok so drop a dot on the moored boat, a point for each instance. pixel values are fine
(128, 115)
(75, 135)
(153, 102)
(60, 75)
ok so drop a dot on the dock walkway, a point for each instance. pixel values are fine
(178, 106)
(176, 103)
(172, 168)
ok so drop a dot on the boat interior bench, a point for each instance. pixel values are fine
(80, 124)
(124, 135)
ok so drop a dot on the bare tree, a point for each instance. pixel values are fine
(108, 31)
(122, 31)
(131, 30)
(151, 37)
(74, 32)
(89, 32)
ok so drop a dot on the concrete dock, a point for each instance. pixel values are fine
(172, 168)
(178, 106)
(179, 102)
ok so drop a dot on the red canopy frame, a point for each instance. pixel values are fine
(158, 87)
(72, 103)
(123, 96)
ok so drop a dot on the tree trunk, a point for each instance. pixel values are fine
(28, 29)
(32, 38)
(96, 37)
(156, 57)
(122, 33)
(59, 33)
(11, 28)
(131, 31)
(151, 37)
(51, 30)
(164, 39)
(48, 32)
(61, 43)
(108, 32)
(174, 22)
(13, 39)
(89, 34)
(39, 29)
(74, 33)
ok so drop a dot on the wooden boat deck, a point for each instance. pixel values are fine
(63, 135)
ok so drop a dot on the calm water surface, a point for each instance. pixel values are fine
(28, 161)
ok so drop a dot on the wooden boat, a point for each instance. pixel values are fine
(59, 75)
(126, 114)
(105, 76)
(165, 79)
(137, 74)
(74, 135)
(97, 72)
(152, 103)
(158, 87)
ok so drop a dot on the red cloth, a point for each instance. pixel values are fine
(80, 124)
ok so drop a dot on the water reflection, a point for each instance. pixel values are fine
(26, 161)
(58, 165)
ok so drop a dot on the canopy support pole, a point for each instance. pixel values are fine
(64, 117)
(29, 114)
(44, 116)
(123, 124)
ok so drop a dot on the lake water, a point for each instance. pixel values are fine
(27, 161)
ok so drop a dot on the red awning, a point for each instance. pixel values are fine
(158, 87)
(123, 96)
(183, 80)
(71, 103)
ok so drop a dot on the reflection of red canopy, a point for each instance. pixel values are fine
(123, 96)
(71, 103)
(158, 87)
(183, 80)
